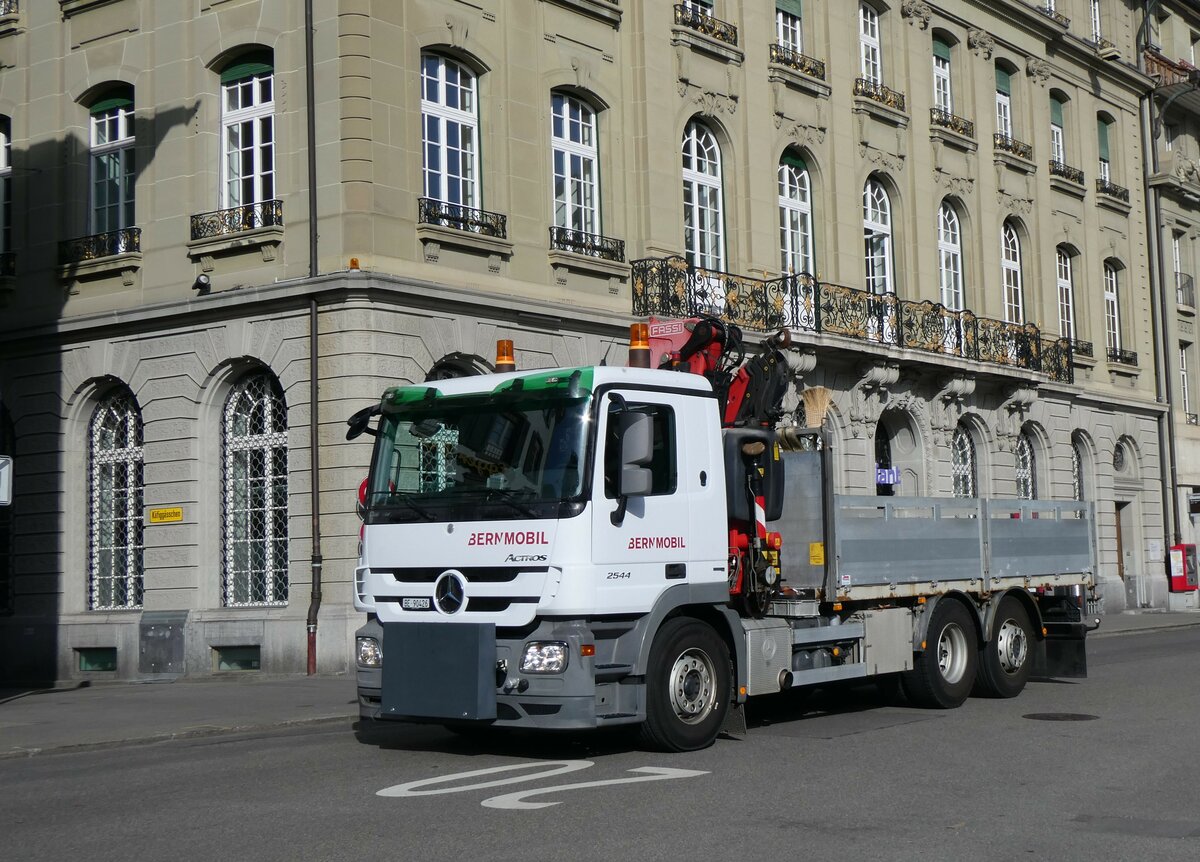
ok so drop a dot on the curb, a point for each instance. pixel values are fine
(1147, 630)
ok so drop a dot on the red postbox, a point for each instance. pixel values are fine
(1183, 568)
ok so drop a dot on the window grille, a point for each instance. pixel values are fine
(963, 464)
(1026, 475)
(115, 513)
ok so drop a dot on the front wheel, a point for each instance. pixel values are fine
(944, 672)
(1005, 661)
(687, 687)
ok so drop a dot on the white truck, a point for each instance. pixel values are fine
(596, 546)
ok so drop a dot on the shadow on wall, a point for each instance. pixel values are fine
(50, 204)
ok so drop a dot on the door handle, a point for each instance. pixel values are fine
(675, 571)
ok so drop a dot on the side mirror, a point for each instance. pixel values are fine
(636, 433)
(360, 422)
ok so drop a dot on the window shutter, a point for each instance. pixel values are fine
(1102, 138)
(792, 7)
(1056, 112)
(1003, 82)
(248, 68)
(942, 50)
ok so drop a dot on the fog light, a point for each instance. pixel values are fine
(369, 653)
(544, 657)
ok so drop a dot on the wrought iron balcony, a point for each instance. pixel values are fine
(463, 218)
(691, 17)
(1191, 418)
(1122, 357)
(1081, 348)
(591, 244)
(100, 245)
(237, 219)
(879, 93)
(1112, 190)
(1061, 169)
(9, 7)
(1054, 15)
(947, 120)
(1185, 289)
(672, 287)
(785, 56)
(1005, 144)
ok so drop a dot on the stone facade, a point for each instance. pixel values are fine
(394, 286)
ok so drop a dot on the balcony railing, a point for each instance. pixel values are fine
(1191, 418)
(1168, 72)
(879, 93)
(1054, 15)
(672, 287)
(1122, 357)
(591, 244)
(463, 218)
(125, 241)
(1185, 289)
(691, 17)
(9, 7)
(785, 56)
(237, 219)
(1005, 144)
(1112, 190)
(1081, 348)
(1061, 169)
(947, 120)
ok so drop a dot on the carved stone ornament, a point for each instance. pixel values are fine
(583, 72)
(1186, 169)
(955, 185)
(1014, 204)
(710, 104)
(1012, 416)
(947, 406)
(917, 11)
(1037, 69)
(870, 396)
(880, 158)
(458, 30)
(981, 42)
(807, 136)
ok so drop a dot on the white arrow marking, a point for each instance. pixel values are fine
(516, 801)
(414, 788)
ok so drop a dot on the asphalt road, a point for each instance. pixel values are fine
(836, 775)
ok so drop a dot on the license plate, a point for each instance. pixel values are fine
(419, 604)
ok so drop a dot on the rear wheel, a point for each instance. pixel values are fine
(944, 672)
(1006, 659)
(687, 687)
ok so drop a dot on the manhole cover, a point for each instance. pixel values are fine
(1060, 716)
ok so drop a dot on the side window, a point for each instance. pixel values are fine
(663, 466)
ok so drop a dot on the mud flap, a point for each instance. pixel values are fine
(735, 722)
(439, 671)
(1062, 653)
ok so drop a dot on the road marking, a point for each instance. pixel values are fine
(414, 788)
(516, 801)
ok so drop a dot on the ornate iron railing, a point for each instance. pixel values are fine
(463, 218)
(879, 93)
(947, 120)
(1004, 143)
(1168, 72)
(785, 56)
(100, 245)
(8, 264)
(692, 18)
(1104, 46)
(591, 244)
(9, 7)
(1054, 15)
(1061, 169)
(1122, 357)
(1185, 289)
(1112, 190)
(1081, 348)
(1191, 418)
(672, 287)
(237, 219)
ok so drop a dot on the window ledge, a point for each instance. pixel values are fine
(10, 24)
(74, 7)
(605, 10)
(953, 138)
(1069, 187)
(706, 45)
(880, 111)
(259, 237)
(1025, 166)
(1113, 203)
(432, 233)
(1118, 373)
(126, 263)
(586, 263)
(797, 80)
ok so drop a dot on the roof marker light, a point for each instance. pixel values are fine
(505, 361)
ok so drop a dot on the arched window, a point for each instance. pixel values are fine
(248, 131)
(450, 132)
(1112, 309)
(877, 235)
(703, 198)
(255, 493)
(1078, 457)
(795, 216)
(870, 56)
(113, 168)
(963, 463)
(115, 508)
(1066, 293)
(1010, 264)
(576, 168)
(950, 257)
(1026, 474)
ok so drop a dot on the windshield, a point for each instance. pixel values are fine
(480, 457)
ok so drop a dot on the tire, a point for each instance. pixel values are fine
(1006, 660)
(944, 672)
(687, 687)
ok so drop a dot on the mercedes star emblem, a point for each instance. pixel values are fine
(450, 593)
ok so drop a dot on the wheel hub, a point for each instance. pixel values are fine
(952, 653)
(1012, 647)
(692, 686)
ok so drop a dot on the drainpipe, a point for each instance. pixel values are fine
(314, 605)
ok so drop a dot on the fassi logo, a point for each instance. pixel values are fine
(638, 543)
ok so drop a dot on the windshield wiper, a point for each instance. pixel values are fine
(510, 496)
(416, 507)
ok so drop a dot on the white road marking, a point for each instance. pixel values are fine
(516, 801)
(414, 788)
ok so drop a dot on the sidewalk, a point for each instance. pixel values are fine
(112, 714)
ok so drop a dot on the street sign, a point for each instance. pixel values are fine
(6, 480)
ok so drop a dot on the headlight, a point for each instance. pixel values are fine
(544, 657)
(369, 653)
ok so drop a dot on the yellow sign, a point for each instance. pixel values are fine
(166, 516)
(816, 553)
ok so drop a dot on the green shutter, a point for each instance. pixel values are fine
(1056, 112)
(1003, 82)
(792, 160)
(258, 64)
(792, 7)
(110, 103)
(941, 49)
(1102, 138)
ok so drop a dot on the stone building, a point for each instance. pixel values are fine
(944, 201)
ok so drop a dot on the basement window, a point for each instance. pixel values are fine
(237, 658)
(97, 659)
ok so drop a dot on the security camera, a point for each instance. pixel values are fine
(202, 284)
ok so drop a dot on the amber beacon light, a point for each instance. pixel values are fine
(504, 355)
(639, 345)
